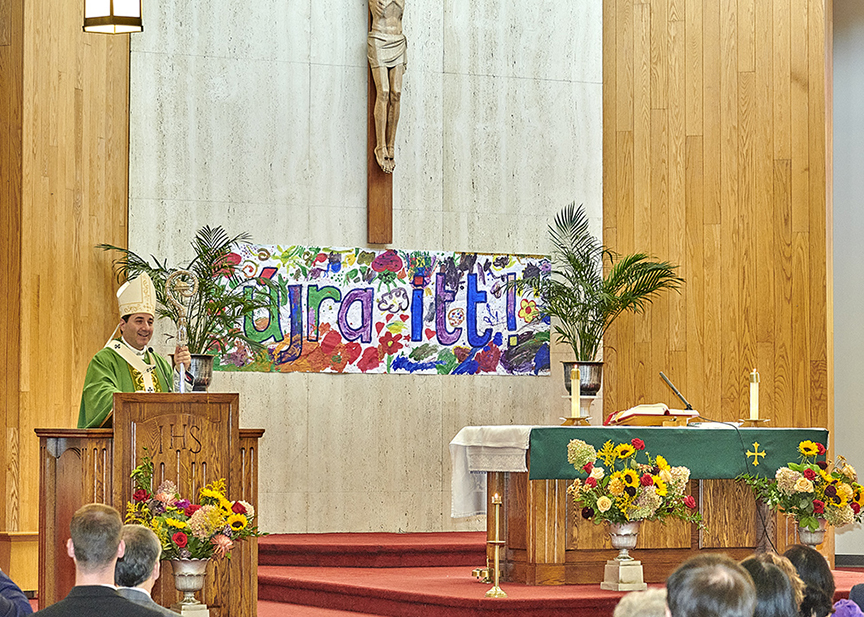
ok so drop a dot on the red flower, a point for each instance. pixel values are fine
(180, 539)
(818, 506)
(646, 480)
(226, 265)
(855, 507)
(238, 508)
(592, 482)
(820, 449)
(588, 466)
(191, 509)
(690, 502)
(809, 474)
(140, 495)
(387, 261)
(370, 360)
(389, 344)
(637, 443)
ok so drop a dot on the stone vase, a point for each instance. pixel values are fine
(189, 575)
(623, 573)
(812, 538)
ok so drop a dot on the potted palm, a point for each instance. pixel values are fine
(584, 300)
(219, 302)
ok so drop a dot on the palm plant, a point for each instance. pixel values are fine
(220, 301)
(583, 299)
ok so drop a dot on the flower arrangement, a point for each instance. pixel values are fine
(627, 490)
(812, 489)
(188, 530)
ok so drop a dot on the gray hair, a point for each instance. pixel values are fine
(648, 603)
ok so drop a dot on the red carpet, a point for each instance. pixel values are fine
(411, 580)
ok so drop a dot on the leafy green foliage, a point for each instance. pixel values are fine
(583, 299)
(220, 302)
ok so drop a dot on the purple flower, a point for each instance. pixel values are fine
(182, 504)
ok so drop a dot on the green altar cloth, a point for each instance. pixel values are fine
(709, 453)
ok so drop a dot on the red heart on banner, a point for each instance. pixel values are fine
(403, 317)
(379, 326)
(430, 333)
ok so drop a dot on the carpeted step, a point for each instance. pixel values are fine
(425, 592)
(280, 609)
(374, 550)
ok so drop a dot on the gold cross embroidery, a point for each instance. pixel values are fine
(756, 453)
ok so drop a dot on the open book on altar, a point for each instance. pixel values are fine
(655, 414)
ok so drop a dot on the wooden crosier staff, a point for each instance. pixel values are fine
(180, 286)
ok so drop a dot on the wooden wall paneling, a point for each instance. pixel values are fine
(756, 244)
(659, 56)
(610, 134)
(723, 501)
(711, 70)
(694, 66)
(782, 266)
(676, 170)
(624, 65)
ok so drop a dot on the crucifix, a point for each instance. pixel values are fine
(386, 52)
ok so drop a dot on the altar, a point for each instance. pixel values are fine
(546, 541)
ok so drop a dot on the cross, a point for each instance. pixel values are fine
(756, 453)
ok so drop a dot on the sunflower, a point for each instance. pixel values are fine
(662, 464)
(630, 477)
(808, 448)
(237, 521)
(173, 522)
(616, 484)
(660, 486)
(624, 450)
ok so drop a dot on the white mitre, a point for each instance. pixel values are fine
(137, 296)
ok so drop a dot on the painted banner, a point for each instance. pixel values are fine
(365, 311)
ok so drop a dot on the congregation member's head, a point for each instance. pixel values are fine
(648, 603)
(139, 566)
(775, 596)
(817, 577)
(710, 585)
(788, 569)
(95, 544)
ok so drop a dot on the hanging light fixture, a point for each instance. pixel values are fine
(112, 16)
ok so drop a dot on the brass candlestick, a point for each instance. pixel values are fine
(496, 591)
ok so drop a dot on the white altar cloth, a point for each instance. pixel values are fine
(476, 450)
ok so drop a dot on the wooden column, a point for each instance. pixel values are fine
(62, 191)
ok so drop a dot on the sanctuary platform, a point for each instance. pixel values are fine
(414, 575)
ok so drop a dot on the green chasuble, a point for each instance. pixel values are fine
(109, 373)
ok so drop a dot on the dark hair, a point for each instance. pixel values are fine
(775, 596)
(710, 585)
(125, 318)
(817, 577)
(95, 530)
(142, 552)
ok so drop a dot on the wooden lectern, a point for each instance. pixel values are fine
(193, 439)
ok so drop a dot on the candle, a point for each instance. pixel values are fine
(575, 392)
(754, 395)
(496, 501)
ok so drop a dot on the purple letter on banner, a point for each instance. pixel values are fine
(442, 297)
(364, 332)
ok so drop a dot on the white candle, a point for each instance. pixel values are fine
(754, 395)
(575, 392)
(496, 502)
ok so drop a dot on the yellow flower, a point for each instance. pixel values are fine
(607, 453)
(803, 485)
(630, 477)
(604, 503)
(808, 448)
(858, 491)
(237, 522)
(208, 493)
(528, 310)
(845, 491)
(624, 450)
(660, 486)
(616, 485)
(173, 522)
(662, 464)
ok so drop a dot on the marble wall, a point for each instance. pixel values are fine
(252, 115)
